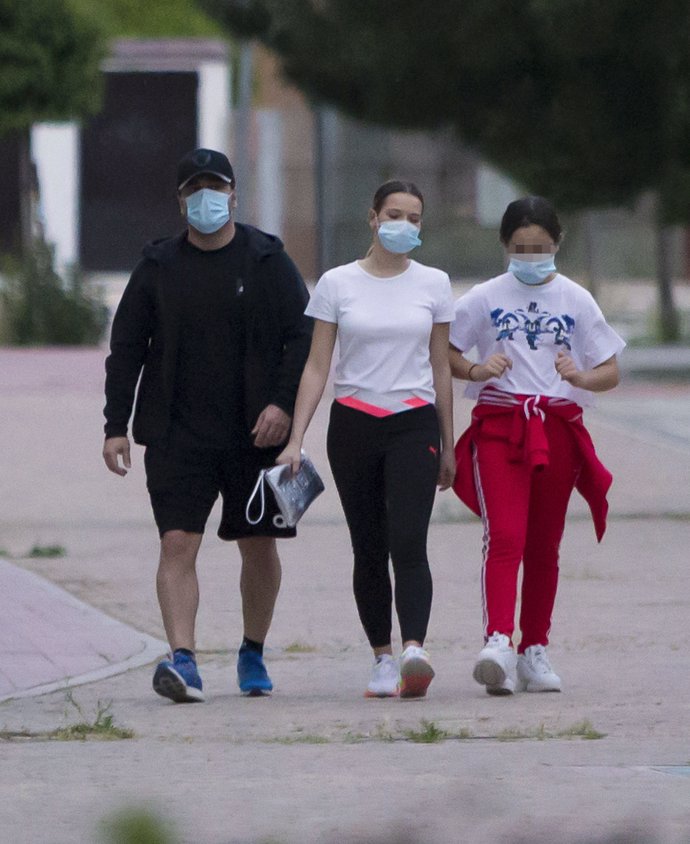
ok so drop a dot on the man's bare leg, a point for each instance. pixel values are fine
(178, 586)
(259, 586)
(178, 596)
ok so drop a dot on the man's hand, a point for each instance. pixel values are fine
(272, 427)
(113, 448)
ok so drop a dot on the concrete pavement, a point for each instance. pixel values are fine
(317, 762)
(51, 640)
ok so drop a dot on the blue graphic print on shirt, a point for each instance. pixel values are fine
(534, 324)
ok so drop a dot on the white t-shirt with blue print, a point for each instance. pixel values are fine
(530, 325)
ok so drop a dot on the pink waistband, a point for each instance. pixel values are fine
(375, 404)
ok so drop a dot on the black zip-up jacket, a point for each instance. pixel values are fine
(145, 336)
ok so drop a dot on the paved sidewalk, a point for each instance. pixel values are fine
(51, 640)
(316, 762)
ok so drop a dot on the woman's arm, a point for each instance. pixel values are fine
(603, 377)
(438, 353)
(311, 388)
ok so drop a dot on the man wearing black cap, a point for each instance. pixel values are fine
(213, 321)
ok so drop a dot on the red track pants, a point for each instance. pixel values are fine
(523, 511)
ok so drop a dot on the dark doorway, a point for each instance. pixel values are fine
(129, 156)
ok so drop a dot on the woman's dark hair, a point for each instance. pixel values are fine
(530, 211)
(395, 186)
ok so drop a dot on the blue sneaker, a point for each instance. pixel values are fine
(178, 680)
(252, 677)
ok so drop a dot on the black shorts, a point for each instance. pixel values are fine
(184, 483)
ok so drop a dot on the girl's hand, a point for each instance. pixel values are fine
(493, 367)
(291, 455)
(446, 469)
(565, 367)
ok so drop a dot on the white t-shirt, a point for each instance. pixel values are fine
(530, 325)
(384, 327)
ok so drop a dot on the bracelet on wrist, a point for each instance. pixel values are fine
(469, 372)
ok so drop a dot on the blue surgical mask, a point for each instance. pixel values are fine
(531, 269)
(208, 210)
(399, 236)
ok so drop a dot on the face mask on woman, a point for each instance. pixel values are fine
(531, 269)
(208, 210)
(398, 236)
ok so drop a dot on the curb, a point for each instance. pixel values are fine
(30, 598)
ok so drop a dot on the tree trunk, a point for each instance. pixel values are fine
(320, 192)
(590, 230)
(26, 185)
(668, 318)
(243, 119)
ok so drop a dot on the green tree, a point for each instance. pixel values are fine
(582, 101)
(49, 70)
(160, 18)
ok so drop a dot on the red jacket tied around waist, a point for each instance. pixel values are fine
(520, 420)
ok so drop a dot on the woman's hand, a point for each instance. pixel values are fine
(565, 367)
(446, 469)
(603, 377)
(493, 367)
(291, 456)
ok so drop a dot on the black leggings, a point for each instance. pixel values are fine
(385, 470)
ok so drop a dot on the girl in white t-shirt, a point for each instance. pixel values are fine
(543, 347)
(390, 436)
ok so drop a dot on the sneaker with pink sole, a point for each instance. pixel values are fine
(415, 672)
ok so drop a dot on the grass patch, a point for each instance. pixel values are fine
(300, 738)
(428, 733)
(515, 734)
(138, 825)
(46, 551)
(101, 728)
(582, 729)
(299, 648)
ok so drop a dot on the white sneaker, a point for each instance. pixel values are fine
(385, 678)
(495, 666)
(535, 673)
(415, 672)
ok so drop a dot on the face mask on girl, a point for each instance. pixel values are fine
(398, 236)
(531, 269)
(208, 210)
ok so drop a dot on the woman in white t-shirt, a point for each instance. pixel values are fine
(390, 436)
(542, 348)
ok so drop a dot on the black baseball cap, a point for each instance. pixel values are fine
(200, 161)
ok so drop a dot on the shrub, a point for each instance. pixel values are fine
(38, 308)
